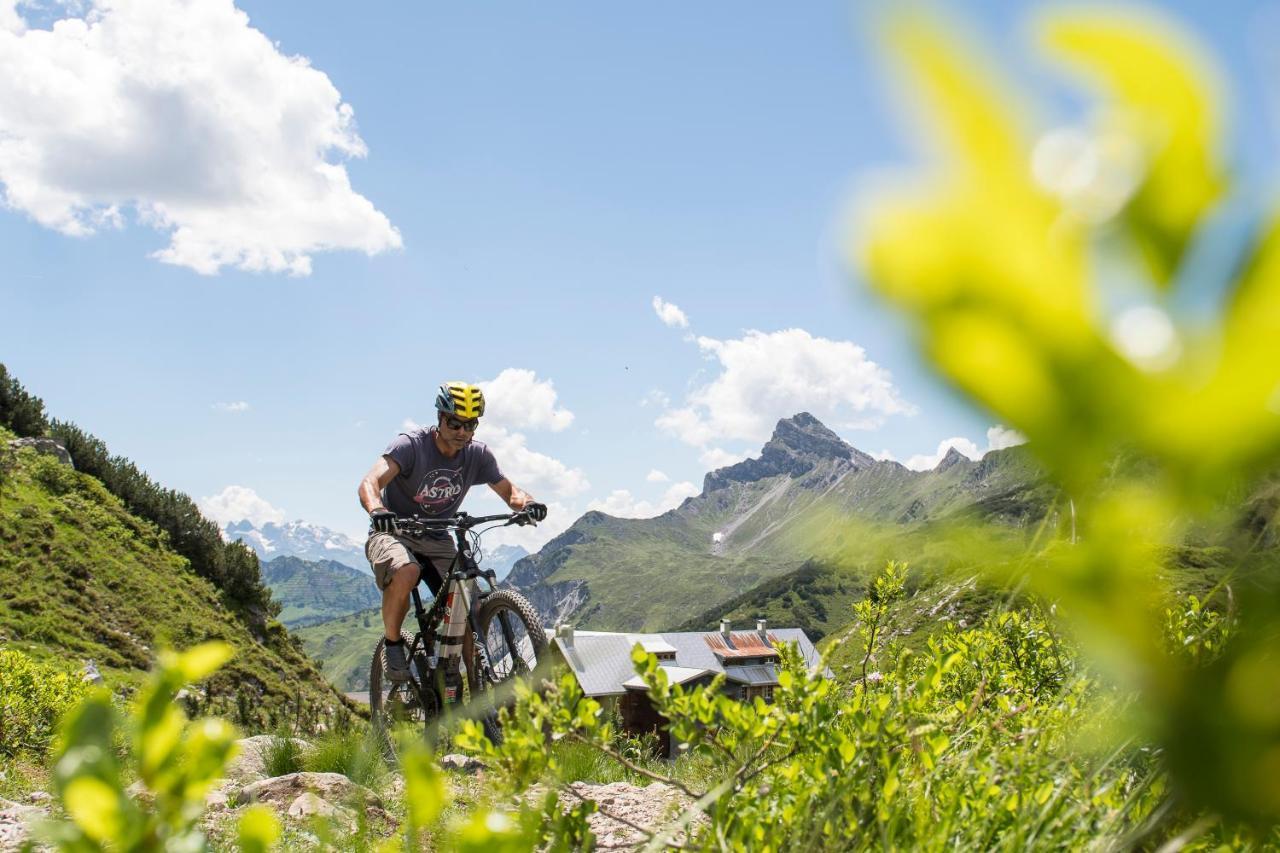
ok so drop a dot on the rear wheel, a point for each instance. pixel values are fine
(399, 705)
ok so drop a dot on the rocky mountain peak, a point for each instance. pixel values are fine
(798, 443)
(954, 457)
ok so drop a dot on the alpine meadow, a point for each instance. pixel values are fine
(1072, 642)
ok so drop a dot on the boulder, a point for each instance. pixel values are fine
(48, 446)
(14, 821)
(302, 795)
(283, 790)
(309, 805)
(464, 763)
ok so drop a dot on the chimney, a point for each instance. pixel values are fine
(762, 628)
(724, 629)
(564, 632)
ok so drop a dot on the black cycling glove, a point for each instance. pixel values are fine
(536, 511)
(384, 521)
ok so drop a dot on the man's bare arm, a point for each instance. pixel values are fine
(515, 497)
(370, 491)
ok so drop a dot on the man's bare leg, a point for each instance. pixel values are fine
(395, 599)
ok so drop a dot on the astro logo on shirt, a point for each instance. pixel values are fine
(439, 488)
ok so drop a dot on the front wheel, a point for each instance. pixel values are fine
(512, 643)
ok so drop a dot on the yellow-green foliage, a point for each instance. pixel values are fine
(33, 696)
(178, 761)
(1043, 276)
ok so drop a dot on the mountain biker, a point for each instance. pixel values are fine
(427, 472)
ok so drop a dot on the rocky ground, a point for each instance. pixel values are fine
(625, 811)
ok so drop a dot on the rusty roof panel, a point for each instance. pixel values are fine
(742, 645)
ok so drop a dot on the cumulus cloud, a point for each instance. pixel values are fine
(622, 504)
(182, 116)
(670, 313)
(767, 376)
(517, 399)
(718, 457)
(1000, 437)
(240, 503)
(656, 476)
(234, 408)
(543, 476)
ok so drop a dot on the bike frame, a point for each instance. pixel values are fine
(462, 569)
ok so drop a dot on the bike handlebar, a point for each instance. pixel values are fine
(461, 521)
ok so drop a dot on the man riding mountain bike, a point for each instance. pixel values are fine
(427, 472)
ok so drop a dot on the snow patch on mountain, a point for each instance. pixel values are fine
(297, 539)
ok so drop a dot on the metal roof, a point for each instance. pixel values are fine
(675, 675)
(753, 676)
(601, 660)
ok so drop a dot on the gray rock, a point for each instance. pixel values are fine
(798, 444)
(38, 797)
(281, 791)
(308, 805)
(15, 818)
(457, 761)
(50, 446)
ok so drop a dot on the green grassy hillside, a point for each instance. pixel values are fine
(344, 646)
(81, 579)
(316, 591)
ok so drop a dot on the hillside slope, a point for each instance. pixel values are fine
(311, 591)
(344, 646)
(81, 579)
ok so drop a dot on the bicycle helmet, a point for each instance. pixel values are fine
(460, 399)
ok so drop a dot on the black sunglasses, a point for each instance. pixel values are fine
(454, 423)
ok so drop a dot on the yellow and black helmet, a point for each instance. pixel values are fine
(461, 399)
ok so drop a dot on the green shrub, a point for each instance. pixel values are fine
(282, 755)
(354, 752)
(33, 697)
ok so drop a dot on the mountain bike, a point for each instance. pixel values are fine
(502, 637)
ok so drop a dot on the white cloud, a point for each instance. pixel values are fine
(656, 476)
(768, 376)
(884, 456)
(656, 398)
(240, 503)
(718, 457)
(622, 504)
(670, 313)
(235, 408)
(541, 475)
(185, 116)
(517, 399)
(1000, 437)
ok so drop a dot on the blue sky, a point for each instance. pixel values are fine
(532, 178)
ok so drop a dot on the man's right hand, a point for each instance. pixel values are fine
(384, 521)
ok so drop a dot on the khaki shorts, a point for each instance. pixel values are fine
(388, 552)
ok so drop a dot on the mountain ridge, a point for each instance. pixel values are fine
(300, 539)
(761, 518)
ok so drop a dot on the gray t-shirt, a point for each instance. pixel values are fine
(430, 483)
